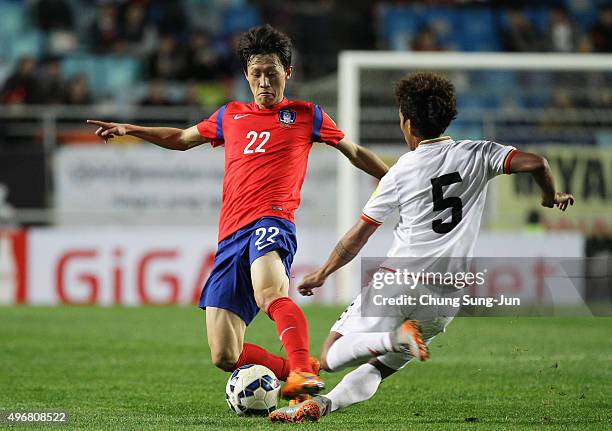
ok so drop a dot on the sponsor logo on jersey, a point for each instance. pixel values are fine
(287, 116)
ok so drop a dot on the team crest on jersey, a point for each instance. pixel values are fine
(286, 117)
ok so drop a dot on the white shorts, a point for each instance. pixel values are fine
(351, 321)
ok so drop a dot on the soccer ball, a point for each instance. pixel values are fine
(252, 390)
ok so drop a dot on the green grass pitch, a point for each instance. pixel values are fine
(141, 368)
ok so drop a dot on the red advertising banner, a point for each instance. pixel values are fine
(13, 266)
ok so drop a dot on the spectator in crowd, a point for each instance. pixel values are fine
(601, 33)
(105, 30)
(562, 100)
(192, 95)
(204, 63)
(521, 35)
(52, 83)
(77, 91)
(22, 87)
(426, 39)
(169, 60)
(7, 211)
(562, 32)
(136, 34)
(157, 94)
(171, 17)
(53, 15)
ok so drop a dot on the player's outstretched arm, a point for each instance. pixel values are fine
(166, 137)
(538, 167)
(347, 248)
(363, 158)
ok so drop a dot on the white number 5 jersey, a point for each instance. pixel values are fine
(440, 190)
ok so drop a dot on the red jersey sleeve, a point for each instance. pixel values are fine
(212, 128)
(324, 129)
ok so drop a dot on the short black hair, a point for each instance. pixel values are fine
(428, 100)
(265, 39)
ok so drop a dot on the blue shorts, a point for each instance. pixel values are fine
(229, 285)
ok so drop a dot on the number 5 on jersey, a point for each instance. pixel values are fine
(253, 137)
(441, 203)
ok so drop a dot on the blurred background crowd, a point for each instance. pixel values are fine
(158, 62)
(168, 53)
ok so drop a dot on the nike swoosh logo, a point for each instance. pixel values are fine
(260, 247)
(238, 117)
(285, 330)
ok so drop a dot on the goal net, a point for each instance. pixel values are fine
(560, 104)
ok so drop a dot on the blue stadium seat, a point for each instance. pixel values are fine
(478, 102)
(537, 15)
(80, 63)
(398, 24)
(584, 12)
(106, 74)
(477, 30)
(12, 17)
(236, 19)
(499, 82)
(467, 29)
(443, 20)
(120, 72)
(14, 46)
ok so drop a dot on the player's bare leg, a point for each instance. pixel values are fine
(229, 351)
(225, 331)
(271, 288)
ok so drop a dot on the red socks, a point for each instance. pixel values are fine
(292, 329)
(252, 354)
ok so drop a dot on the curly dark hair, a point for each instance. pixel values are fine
(428, 100)
(265, 39)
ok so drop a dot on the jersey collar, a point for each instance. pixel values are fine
(435, 140)
(284, 101)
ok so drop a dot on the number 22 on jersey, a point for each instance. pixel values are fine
(260, 138)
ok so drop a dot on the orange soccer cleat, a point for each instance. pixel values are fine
(299, 399)
(408, 338)
(316, 369)
(302, 383)
(315, 365)
(309, 410)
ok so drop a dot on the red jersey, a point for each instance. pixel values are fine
(266, 156)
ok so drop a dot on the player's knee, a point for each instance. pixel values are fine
(224, 360)
(329, 342)
(265, 297)
(323, 362)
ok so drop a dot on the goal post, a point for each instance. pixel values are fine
(353, 63)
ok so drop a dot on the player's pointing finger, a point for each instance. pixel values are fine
(99, 123)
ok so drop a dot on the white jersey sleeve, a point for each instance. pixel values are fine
(498, 157)
(383, 201)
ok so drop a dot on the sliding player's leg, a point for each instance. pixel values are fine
(269, 275)
(362, 383)
(355, 339)
(357, 386)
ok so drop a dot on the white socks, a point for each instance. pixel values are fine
(357, 348)
(358, 385)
